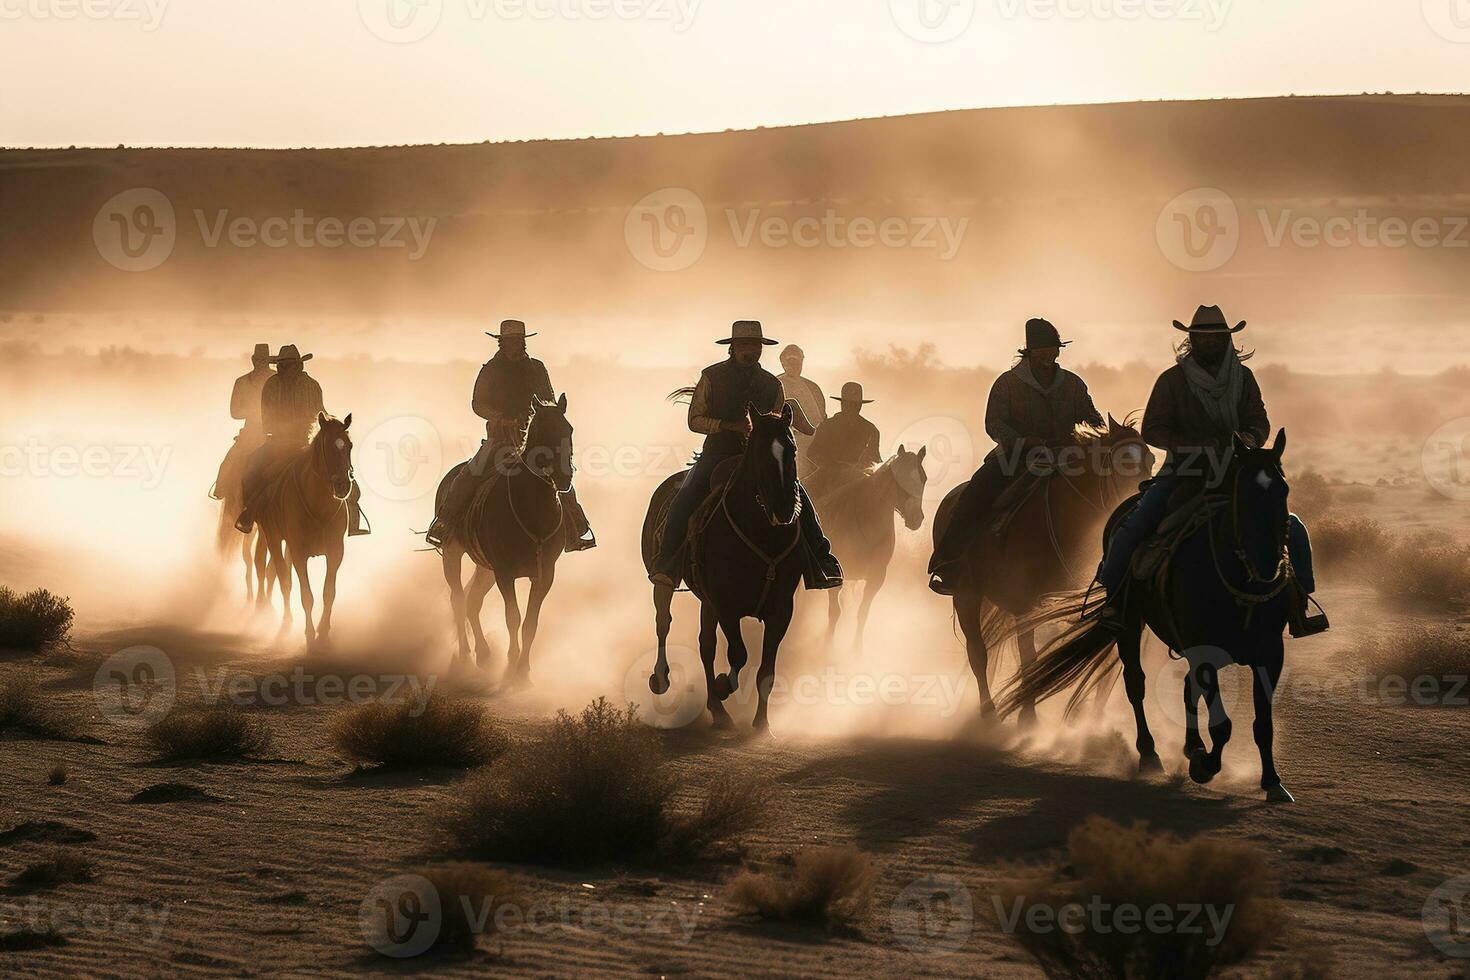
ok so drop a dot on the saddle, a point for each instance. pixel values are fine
(1190, 508)
(1009, 503)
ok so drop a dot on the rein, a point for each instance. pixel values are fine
(1280, 578)
(772, 563)
(538, 541)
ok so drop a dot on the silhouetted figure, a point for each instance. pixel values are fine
(290, 404)
(504, 391)
(845, 446)
(244, 406)
(719, 408)
(808, 396)
(1197, 409)
(1036, 404)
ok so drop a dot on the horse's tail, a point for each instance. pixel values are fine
(685, 395)
(1077, 658)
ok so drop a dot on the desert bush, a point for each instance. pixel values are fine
(733, 804)
(25, 708)
(1310, 493)
(59, 867)
(446, 732)
(831, 886)
(1423, 572)
(34, 620)
(1069, 921)
(57, 775)
(590, 788)
(209, 732)
(1433, 663)
(1347, 543)
(1355, 494)
(472, 900)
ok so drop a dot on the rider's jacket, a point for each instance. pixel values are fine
(846, 439)
(722, 394)
(503, 393)
(1176, 419)
(290, 401)
(1020, 408)
(245, 397)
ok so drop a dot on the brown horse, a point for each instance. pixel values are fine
(742, 558)
(1044, 546)
(515, 528)
(858, 517)
(229, 491)
(302, 505)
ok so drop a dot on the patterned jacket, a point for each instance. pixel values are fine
(503, 393)
(1176, 420)
(290, 401)
(1020, 408)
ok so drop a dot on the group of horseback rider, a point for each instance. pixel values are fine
(1198, 407)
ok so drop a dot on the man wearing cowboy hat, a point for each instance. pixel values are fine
(718, 411)
(245, 406)
(844, 444)
(290, 401)
(1196, 409)
(1036, 404)
(807, 395)
(504, 391)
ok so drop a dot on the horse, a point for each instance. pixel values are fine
(858, 517)
(514, 528)
(1225, 598)
(743, 559)
(227, 489)
(1042, 548)
(302, 505)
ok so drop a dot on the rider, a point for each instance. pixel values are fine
(808, 397)
(1035, 405)
(844, 444)
(1197, 408)
(503, 395)
(245, 406)
(290, 401)
(718, 410)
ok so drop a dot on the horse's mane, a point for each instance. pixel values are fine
(840, 502)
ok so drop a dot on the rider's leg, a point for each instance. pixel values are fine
(461, 491)
(1142, 521)
(666, 567)
(823, 571)
(250, 485)
(1299, 543)
(354, 512)
(581, 537)
(971, 506)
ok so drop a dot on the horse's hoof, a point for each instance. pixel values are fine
(519, 682)
(720, 720)
(1026, 721)
(1278, 794)
(723, 687)
(1150, 764)
(658, 683)
(1200, 769)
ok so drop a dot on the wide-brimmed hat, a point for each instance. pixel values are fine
(511, 328)
(747, 330)
(290, 353)
(1040, 334)
(1209, 319)
(261, 352)
(851, 392)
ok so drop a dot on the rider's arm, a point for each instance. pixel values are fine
(998, 422)
(543, 384)
(699, 418)
(1087, 411)
(872, 453)
(1158, 417)
(237, 400)
(480, 402)
(1253, 419)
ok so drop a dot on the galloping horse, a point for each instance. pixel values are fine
(743, 558)
(858, 517)
(1042, 549)
(515, 528)
(1225, 600)
(302, 504)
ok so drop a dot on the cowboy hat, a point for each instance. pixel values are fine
(1209, 319)
(290, 353)
(262, 352)
(746, 330)
(851, 392)
(511, 328)
(1040, 334)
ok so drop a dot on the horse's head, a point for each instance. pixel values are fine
(1128, 456)
(549, 442)
(770, 459)
(1258, 494)
(332, 449)
(908, 472)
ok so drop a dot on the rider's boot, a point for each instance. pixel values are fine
(582, 538)
(245, 523)
(1298, 622)
(355, 526)
(455, 503)
(942, 576)
(821, 569)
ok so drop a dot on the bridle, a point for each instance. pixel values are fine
(1281, 576)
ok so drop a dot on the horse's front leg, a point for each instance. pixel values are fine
(453, 563)
(1026, 647)
(765, 678)
(663, 601)
(834, 614)
(264, 579)
(1193, 742)
(735, 652)
(308, 601)
(1130, 652)
(481, 582)
(708, 642)
(329, 591)
(539, 589)
(1205, 765)
(246, 559)
(281, 572)
(507, 587)
(967, 611)
(870, 592)
(1266, 677)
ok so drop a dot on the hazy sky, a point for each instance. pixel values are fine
(353, 72)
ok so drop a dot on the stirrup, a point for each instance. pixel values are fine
(1300, 625)
(584, 542)
(245, 524)
(437, 532)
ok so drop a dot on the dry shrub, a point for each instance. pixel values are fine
(59, 867)
(25, 708)
(591, 788)
(1348, 543)
(831, 886)
(1424, 572)
(1433, 663)
(57, 775)
(473, 901)
(446, 732)
(733, 805)
(1355, 494)
(34, 620)
(209, 732)
(1114, 868)
(1310, 493)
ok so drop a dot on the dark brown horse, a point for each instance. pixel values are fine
(1045, 546)
(858, 517)
(515, 528)
(742, 559)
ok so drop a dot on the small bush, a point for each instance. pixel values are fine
(831, 886)
(57, 776)
(733, 805)
(25, 708)
(1345, 544)
(1310, 493)
(1425, 573)
(209, 732)
(446, 732)
(1428, 664)
(59, 867)
(34, 620)
(472, 900)
(1113, 868)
